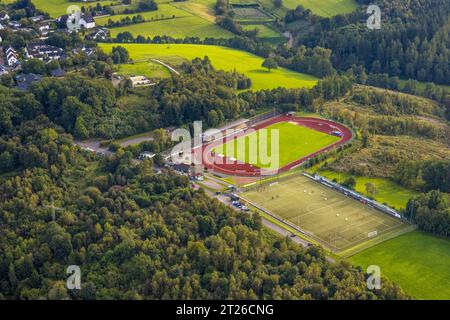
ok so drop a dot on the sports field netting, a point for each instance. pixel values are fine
(326, 215)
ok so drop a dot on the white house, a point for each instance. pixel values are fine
(87, 21)
(44, 29)
(4, 16)
(99, 34)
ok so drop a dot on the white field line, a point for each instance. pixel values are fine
(167, 66)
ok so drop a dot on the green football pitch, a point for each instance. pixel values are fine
(327, 216)
(282, 143)
(418, 261)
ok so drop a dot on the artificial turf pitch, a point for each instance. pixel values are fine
(295, 142)
(326, 215)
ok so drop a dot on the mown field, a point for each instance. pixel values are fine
(175, 19)
(189, 26)
(421, 86)
(265, 32)
(165, 11)
(150, 69)
(418, 261)
(324, 8)
(294, 142)
(388, 191)
(224, 59)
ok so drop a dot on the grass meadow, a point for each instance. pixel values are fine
(222, 59)
(57, 8)
(388, 191)
(418, 261)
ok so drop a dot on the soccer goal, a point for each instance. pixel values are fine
(372, 234)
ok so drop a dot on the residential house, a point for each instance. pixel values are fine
(58, 73)
(4, 16)
(11, 57)
(87, 21)
(15, 24)
(24, 81)
(99, 34)
(84, 50)
(140, 81)
(37, 18)
(44, 29)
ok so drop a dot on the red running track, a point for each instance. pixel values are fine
(237, 168)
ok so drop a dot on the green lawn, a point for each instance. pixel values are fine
(388, 192)
(175, 19)
(57, 8)
(325, 8)
(151, 70)
(418, 261)
(164, 11)
(224, 59)
(264, 31)
(190, 26)
(295, 142)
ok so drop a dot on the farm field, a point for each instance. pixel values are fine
(189, 26)
(324, 8)
(418, 261)
(264, 32)
(201, 8)
(164, 11)
(327, 216)
(251, 14)
(223, 59)
(295, 142)
(388, 192)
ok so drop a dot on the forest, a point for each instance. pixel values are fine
(413, 41)
(138, 229)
